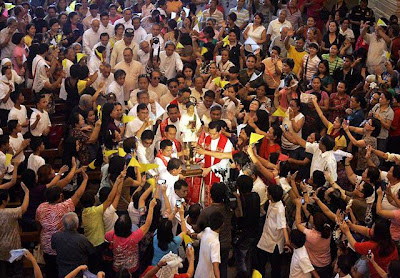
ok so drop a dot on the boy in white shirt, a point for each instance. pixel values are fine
(4, 147)
(300, 266)
(18, 112)
(40, 122)
(209, 256)
(343, 266)
(274, 235)
(35, 161)
(17, 142)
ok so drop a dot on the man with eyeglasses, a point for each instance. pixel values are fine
(172, 93)
(155, 84)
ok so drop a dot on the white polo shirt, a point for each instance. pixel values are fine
(300, 266)
(209, 253)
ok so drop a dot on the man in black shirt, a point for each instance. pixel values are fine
(348, 74)
(73, 249)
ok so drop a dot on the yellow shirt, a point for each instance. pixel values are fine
(340, 141)
(297, 58)
(28, 40)
(93, 224)
(81, 86)
(173, 6)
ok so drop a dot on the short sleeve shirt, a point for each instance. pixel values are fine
(93, 224)
(50, 218)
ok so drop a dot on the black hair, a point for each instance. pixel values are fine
(321, 225)
(216, 220)
(297, 238)
(261, 16)
(15, 95)
(43, 48)
(277, 48)
(129, 144)
(218, 192)
(167, 128)
(232, 16)
(141, 106)
(165, 143)
(87, 200)
(394, 269)
(344, 262)
(103, 193)
(12, 124)
(123, 226)
(209, 93)
(244, 183)
(318, 178)
(52, 194)
(164, 234)
(29, 178)
(17, 37)
(171, 106)
(172, 80)
(119, 73)
(367, 190)
(35, 143)
(276, 192)
(194, 211)
(173, 164)
(383, 237)
(116, 166)
(179, 184)
(289, 62)
(214, 125)
(396, 171)
(241, 159)
(377, 124)
(147, 134)
(328, 142)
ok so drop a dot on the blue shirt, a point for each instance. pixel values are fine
(172, 246)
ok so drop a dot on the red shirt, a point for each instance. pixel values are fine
(395, 122)
(266, 149)
(363, 247)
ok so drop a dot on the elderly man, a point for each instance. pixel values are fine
(171, 62)
(119, 47)
(84, 106)
(106, 26)
(132, 69)
(155, 33)
(140, 33)
(126, 20)
(155, 85)
(275, 26)
(94, 13)
(280, 41)
(73, 249)
(6, 45)
(91, 36)
(144, 52)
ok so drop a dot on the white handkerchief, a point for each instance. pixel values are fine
(16, 254)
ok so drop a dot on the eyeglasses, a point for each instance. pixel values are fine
(156, 78)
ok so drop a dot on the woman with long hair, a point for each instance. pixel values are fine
(164, 240)
(316, 87)
(110, 133)
(124, 242)
(73, 29)
(333, 129)
(331, 37)
(256, 31)
(318, 240)
(380, 243)
(369, 132)
(271, 142)
(333, 58)
(324, 76)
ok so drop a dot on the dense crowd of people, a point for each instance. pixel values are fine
(220, 138)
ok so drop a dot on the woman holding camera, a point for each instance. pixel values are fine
(318, 240)
(380, 243)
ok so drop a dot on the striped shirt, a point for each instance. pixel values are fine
(242, 15)
(310, 66)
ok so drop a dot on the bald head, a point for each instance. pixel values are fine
(95, 24)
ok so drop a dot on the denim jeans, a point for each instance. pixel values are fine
(244, 254)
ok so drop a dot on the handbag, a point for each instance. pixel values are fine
(38, 254)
